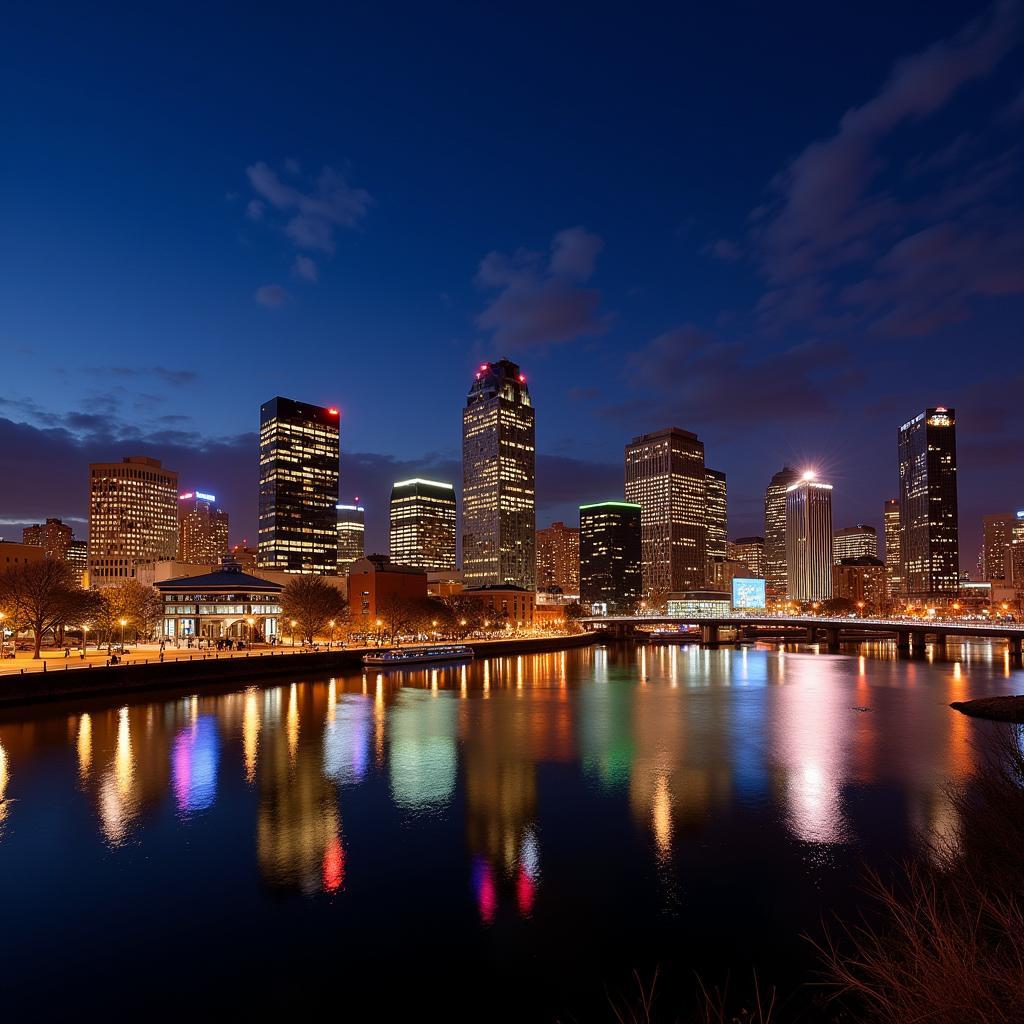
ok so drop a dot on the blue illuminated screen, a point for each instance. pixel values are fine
(748, 593)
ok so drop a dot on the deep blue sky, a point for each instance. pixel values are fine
(788, 229)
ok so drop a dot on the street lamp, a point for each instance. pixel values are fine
(85, 637)
(3, 634)
(860, 608)
(331, 644)
(248, 635)
(293, 632)
(124, 622)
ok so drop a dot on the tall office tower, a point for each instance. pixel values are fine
(78, 558)
(997, 535)
(665, 477)
(52, 536)
(750, 551)
(423, 520)
(929, 547)
(776, 577)
(1016, 552)
(558, 559)
(854, 542)
(133, 517)
(610, 546)
(809, 539)
(202, 529)
(716, 517)
(351, 535)
(299, 450)
(498, 479)
(893, 572)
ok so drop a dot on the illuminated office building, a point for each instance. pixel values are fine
(610, 547)
(423, 520)
(929, 545)
(351, 535)
(749, 551)
(299, 450)
(716, 518)
(665, 477)
(53, 536)
(133, 517)
(78, 558)
(776, 578)
(558, 559)
(861, 581)
(893, 571)
(854, 542)
(1016, 554)
(498, 479)
(997, 535)
(809, 539)
(202, 529)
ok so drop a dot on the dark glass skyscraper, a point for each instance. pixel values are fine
(929, 523)
(610, 555)
(498, 479)
(299, 450)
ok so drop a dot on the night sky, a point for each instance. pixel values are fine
(788, 228)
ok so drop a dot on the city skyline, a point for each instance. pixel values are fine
(708, 300)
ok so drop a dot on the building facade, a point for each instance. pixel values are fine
(375, 583)
(16, 556)
(809, 539)
(558, 559)
(499, 479)
(202, 528)
(503, 604)
(423, 524)
(893, 559)
(299, 453)
(1016, 554)
(53, 536)
(854, 542)
(861, 581)
(775, 574)
(610, 556)
(997, 536)
(133, 517)
(665, 477)
(749, 551)
(929, 522)
(716, 519)
(351, 535)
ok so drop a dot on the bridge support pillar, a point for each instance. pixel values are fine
(903, 641)
(709, 634)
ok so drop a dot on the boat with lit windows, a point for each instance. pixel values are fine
(399, 656)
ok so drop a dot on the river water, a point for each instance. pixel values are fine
(502, 840)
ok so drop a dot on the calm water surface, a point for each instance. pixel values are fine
(497, 841)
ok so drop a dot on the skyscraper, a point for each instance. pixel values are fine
(423, 520)
(351, 535)
(133, 517)
(929, 546)
(893, 571)
(750, 551)
(776, 577)
(854, 542)
(809, 539)
(1016, 555)
(53, 536)
(558, 559)
(665, 477)
(716, 517)
(498, 479)
(202, 528)
(610, 545)
(299, 451)
(997, 535)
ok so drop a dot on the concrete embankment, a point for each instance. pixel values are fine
(102, 680)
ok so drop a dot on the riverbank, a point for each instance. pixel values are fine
(995, 709)
(60, 683)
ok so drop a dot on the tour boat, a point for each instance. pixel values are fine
(418, 655)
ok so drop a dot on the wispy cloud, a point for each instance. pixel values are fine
(271, 295)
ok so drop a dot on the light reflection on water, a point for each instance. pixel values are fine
(512, 781)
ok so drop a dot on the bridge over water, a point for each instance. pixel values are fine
(828, 631)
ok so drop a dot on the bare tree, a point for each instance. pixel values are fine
(311, 602)
(43, 596)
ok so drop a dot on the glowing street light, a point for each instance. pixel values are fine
(124, 622)
(293, 632)
(331, 644)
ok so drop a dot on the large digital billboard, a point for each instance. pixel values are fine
(748, 593)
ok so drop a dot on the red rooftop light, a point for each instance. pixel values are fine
(333, 411)
(522, 378)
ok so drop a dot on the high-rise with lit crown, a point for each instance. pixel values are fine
(809, 539)
(133, 517)
(893, 570)
(202, 528)
(423, 522)
(351, 535)
(776, 577)
(665, 477)
(610, 573)
(299, 451)
(498, 478)
(929, 523)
